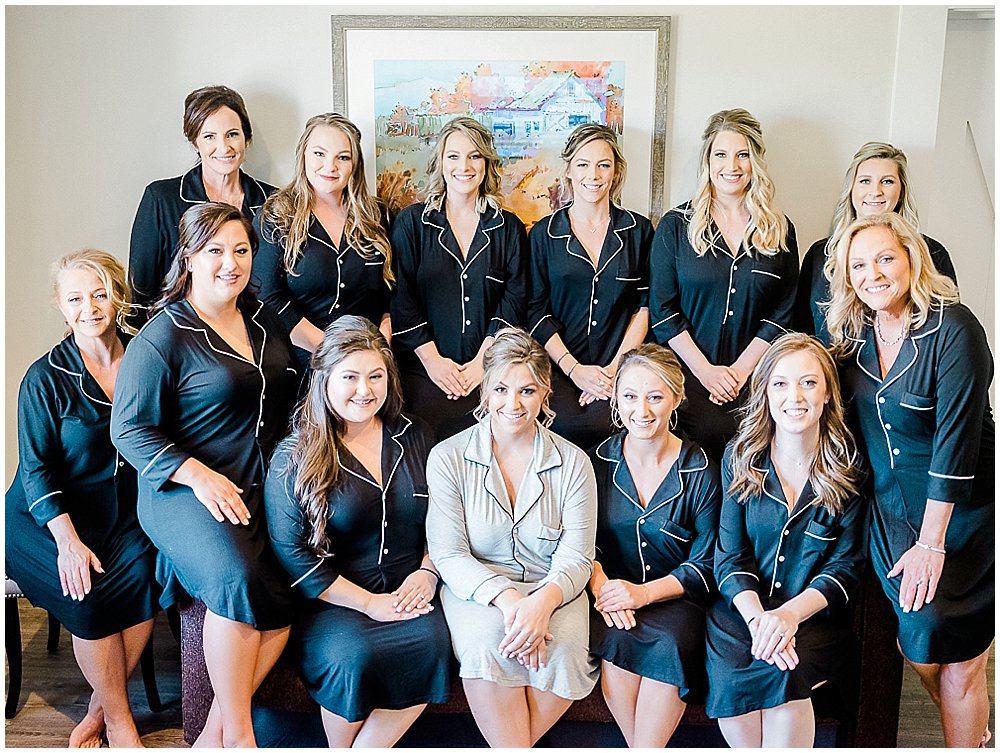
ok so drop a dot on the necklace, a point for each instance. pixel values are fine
(797, 463)
(592, 229)
(889, 343)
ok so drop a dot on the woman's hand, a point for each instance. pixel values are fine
(416, 591)
(593, 380)
(448, 376)
(921, 570)
(382, 608)
(472, 372)
(772, 633)
(623, 619)
(722, 383)
(534, 658)
(787, 659)
(526, 625)
(616, 595)
(74, 562)
(219, 495)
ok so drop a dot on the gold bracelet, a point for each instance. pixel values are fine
(648, 597)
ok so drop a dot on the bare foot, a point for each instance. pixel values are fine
(211, 735)
(987, 736)
(89, 733)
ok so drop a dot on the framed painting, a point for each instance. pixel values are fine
(529, 79)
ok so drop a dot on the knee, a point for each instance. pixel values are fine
(958, 681)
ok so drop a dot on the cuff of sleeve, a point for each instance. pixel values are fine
(692, 579)
(769, 330)
(668, 328)
(949, 488)
(317, 580)
(489, 589)
(288, 314)
(547, 326)
(46, 508)
(413, 337)
(831, 588)
(497, 324)
(163, 465)
(736, 583)
(561, 581)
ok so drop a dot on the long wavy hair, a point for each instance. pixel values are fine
(845, 213)
(659, 360)
(109, 271)
(289, 210)
(513, 346)
(767, 228)
(847, 315)
(834, 474)
(198, 226)
(318, 432)
(482, 140)
(581, 136)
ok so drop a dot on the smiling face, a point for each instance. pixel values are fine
(591, 171)
(464, 166)
(221, 143)
(796, 394)
(220, 270)
(85, 302)
(645, 403)
(877, 187)
(329, 161)
(729, 167)
(514, 401)
(879, 269)
(357, 387)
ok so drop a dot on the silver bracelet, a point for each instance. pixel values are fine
(930, 548)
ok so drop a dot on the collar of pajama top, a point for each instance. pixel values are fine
(192, 189)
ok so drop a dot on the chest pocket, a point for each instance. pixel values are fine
(765, 275)
(820, 535)
(915, 417)
(676, 532)
(548, 540)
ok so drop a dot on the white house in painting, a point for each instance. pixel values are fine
(559, 103)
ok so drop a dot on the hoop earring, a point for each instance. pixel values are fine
(672, 422)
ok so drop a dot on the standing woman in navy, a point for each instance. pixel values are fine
(460, 271)
(790, 553)
(918, 370)
(71, 508)
(657, 516)
(723, 270)
(205, 392)
(589, 283)
(324, 247)
(876, 181)
(217, 125)
(346, 501)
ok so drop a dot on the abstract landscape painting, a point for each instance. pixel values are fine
(529, 106)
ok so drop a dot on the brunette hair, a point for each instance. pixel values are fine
(661, 361)
(513, 346)
(482, 140)
(111, 274)
(581, 136)
(200, 104)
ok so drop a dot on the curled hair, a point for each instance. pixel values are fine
(111, 274)
(198, 226)
(847, 315)
(202, 103)
(833, 474)
(482, 140)
(581, 136)
(289, 210)
(659, 360)
(317, 435)
(767, 228)
(512, 346)
(845, 213)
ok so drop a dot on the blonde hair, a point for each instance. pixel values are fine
(845, 213)
(579, 138)
(767, 228)
(659, 360)
(482, 140)
(834, 475)
(513, 346)
(289, 210)
(847, 315)
(111, 274)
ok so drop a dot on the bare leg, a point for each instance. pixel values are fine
(544, 710)
(743, 731)
(790, 725)
(621, 692)
(103, 665)
(500, 713)
(231, 656)
(657, 713)
(384, 727)
(965, 702)
(340, 733)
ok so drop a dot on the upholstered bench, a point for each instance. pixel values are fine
(864, 715)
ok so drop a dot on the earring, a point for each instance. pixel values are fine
(672, 423)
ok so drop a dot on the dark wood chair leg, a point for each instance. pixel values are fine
(12, 643)
(53, 642)
(174, 621)
(149, 678)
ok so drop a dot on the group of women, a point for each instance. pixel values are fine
(707, 544)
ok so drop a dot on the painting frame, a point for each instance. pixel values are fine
(649, 85)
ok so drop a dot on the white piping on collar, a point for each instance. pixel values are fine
(781, 534)
(78, 375)
(253, 207)
(204, 331)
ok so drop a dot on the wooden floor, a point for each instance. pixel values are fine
(54, 695)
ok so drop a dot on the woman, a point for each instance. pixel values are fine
(589, 283)
(346, 500)
(722, 277)
(876, 181)
(459, 265)
(510, 528)
(324, 250)
(217, 125)
(205, 393)
(71, 507)
(918, 372)
(790, 552)
(657, 518)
